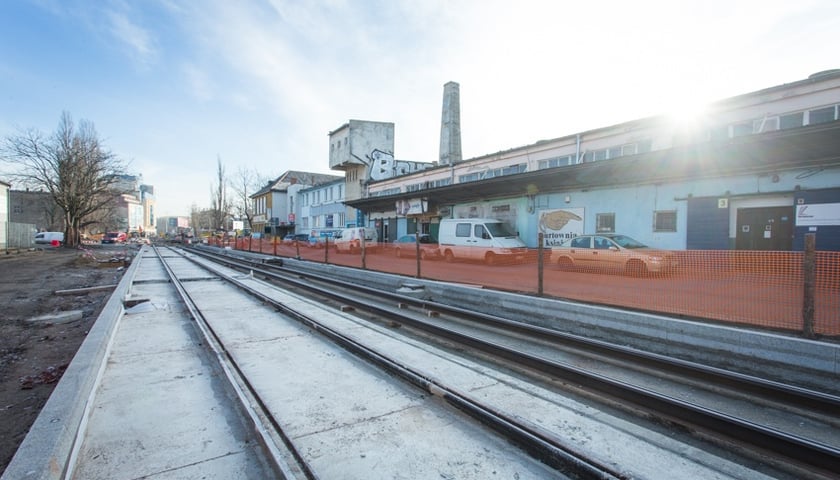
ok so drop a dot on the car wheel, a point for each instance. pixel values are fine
(490, 258)
(565, 263)
(448, 256)
(636, 268)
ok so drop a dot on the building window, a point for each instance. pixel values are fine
(792, 120)
(766, 124)
(605, 223)
(644, 146)
(665, 221)
(821, 115)
(598, 155)
(741, 129)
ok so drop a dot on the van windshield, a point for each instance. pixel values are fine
(499, 230)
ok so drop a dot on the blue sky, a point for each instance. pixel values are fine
(173, 85)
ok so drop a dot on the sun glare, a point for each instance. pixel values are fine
(688, 115)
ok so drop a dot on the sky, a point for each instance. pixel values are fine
(172, 87)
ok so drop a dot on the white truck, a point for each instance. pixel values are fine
(49, 238)
(484, 239)
(349, 240)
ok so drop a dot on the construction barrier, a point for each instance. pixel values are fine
(768, 289)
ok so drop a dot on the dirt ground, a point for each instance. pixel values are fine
(33, 355)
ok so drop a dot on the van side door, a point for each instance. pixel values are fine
(482, 241)
(464, 241)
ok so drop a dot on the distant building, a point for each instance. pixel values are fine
(321, 207)
(172, 226)
(5, 208)
(135, 205)
(147, 202)
(274, 204)
(364, 150)
(36, 208)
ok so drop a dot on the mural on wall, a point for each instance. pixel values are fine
(558, 225)
(382, 166)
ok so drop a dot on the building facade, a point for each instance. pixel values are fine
(5, 208)
(321, 207)
(757, 171)
(364, 150)
(276, 203)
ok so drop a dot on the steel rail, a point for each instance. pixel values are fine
(249, 400)
(794, 448)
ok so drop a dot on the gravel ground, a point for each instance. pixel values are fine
(34, 354)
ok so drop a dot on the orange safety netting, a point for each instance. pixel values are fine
(777, 290)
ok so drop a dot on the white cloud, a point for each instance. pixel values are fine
(137, 39)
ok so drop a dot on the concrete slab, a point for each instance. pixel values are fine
(162, 408)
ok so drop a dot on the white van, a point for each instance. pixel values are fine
(484, 239)
(349, 240)
(48, 238)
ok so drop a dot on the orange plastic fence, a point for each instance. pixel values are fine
(753, 288)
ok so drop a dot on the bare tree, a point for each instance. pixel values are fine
(246, 183)
(218, 197)
(72, 164)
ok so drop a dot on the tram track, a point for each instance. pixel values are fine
(285, 459)
(795, 451)
(542, 445)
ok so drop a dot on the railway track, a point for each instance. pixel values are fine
(788, 427)
(231, 367)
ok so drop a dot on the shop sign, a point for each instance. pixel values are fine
(558, 225)
(818, 214)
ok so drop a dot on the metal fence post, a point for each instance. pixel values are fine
(364, 260)
(540, 264)
(417, 251)
(809, 272)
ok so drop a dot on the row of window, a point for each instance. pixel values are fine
(416, 187)
(643, 146)
(781, 122)
(331, 193)
(663, 221)
(319, 221)
(495, 172)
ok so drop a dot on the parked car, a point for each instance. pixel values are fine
(612, 252)
(49, 238)
(406, 246)
(291, 238)
(114, 237)
(349, 240)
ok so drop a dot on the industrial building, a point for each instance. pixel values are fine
(755, 172)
